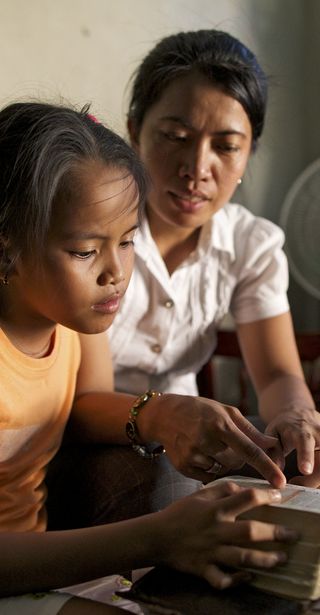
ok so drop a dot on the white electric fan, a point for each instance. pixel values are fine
(300, 219)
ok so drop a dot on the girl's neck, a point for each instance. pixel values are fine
(34, 339)
(33, 345)
(32, 335)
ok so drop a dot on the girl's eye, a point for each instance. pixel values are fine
(83, 255)
(127, 243)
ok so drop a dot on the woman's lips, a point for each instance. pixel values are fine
(109, 306)
(189, 203)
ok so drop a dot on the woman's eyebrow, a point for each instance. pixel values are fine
(182, 122)
(176, 119)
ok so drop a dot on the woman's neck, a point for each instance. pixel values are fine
(175, 244)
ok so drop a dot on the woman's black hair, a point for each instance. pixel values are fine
(41, 146)
(221, 58)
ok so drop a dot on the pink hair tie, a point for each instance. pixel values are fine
(93, 118)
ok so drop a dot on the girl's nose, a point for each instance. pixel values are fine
(106, 278)
(112, 274)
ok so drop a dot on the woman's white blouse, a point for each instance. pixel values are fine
(166, 327)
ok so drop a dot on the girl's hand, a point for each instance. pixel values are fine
(195, 431)
(299, 429)
(204, 534)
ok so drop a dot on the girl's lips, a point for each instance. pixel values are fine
(189, 204)
(109, 306)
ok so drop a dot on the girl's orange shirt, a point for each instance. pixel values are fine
(36, 396)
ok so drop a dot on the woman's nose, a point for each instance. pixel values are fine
(196, 164)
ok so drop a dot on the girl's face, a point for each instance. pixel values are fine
(86, 265)
(195, 142)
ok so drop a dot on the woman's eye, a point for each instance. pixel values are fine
(174, 136)
(228, 147)
(83, 255)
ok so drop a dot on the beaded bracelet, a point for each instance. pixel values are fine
(132, 428)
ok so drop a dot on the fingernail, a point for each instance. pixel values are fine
(277, 558)
(306, 467)
(225, 582)
(287, 533)
(281, 556)
(280, 482)
(275, 495)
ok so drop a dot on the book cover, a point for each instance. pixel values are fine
(169, 592)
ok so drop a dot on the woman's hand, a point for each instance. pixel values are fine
(299, 429)
(196, 431)
(286, 405)
(204, 533)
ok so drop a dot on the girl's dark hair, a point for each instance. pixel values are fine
(41, 146)
(217, 55)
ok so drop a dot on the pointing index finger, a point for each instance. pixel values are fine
(252, 454)
(263, 440)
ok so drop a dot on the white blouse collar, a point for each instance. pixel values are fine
(217, 233)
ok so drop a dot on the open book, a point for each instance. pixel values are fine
(300, 509)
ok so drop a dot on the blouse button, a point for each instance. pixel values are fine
(156, 348)
(168, 304)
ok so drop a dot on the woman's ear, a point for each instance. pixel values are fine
(133, 134)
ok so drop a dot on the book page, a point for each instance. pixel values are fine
(293, 496)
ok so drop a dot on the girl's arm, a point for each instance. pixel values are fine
(99, 414)
(285, 402)
(197, 534)
(192, 429)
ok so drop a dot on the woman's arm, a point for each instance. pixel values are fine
(271, 356)
(192, 429)
(285, 402)
(198, 534)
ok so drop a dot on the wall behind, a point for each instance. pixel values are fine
(86, 53)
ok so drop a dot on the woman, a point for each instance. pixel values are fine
(195, 116)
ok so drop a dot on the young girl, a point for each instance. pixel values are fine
(70, 193)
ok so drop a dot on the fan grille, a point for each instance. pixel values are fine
(300, 220)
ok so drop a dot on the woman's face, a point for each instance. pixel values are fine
(195, 142)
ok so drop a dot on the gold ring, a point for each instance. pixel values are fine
(215, 468)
